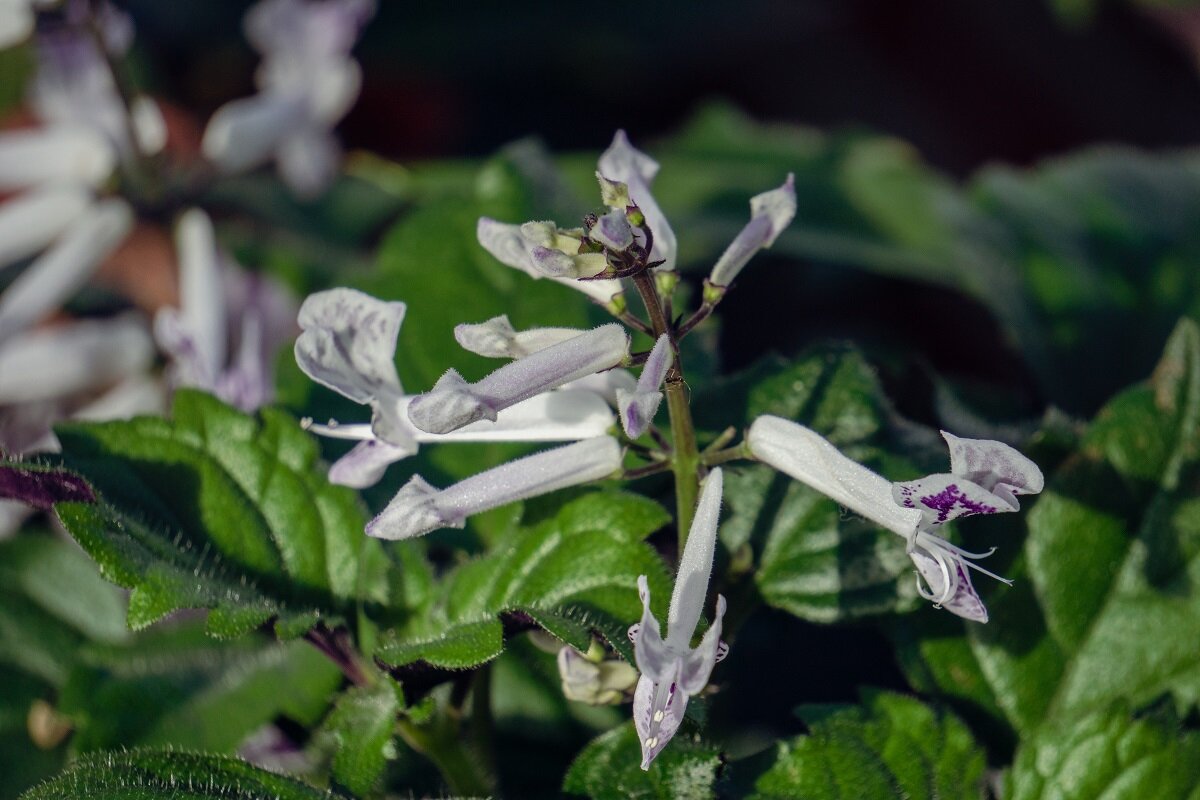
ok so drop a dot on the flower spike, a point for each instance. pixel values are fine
(624, 163)
(639, 406)
(453, 403)
(419, 508)
(984, 479)
(673, 671)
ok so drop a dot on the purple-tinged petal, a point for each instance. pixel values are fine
(453, 403)
(505, 242)
(606, 384)
(622, 162)
(770, 213)
(420, 508)
(995, 466)
(497, 338)
(695, 565)
(639, 406)
(699, 663)
(364, 465)
(349, 343)
(941, 498)
(649, 651)
(949, 584)
(309, 160)
(809, 458)
(613, 231)
(32, 220)
(59, 272)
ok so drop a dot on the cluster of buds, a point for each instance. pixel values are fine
(563, 384)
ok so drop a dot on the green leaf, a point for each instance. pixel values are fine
(814, 560)
(568, 577)
(179, 687)
(154, 774)
(362, 725)
(894, 746)
(609, 768)
(1105, 607)
(1108, 755)
(52, 601)
(215, 509)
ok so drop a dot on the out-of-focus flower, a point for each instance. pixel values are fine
(348, 344)
(671, 669)
(58, 167)
(419, 508)
(593, 678)
(985, 478)
(17, 18)
(206, 353)
(307, 82)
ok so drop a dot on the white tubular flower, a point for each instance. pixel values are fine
(672, 670)
(770, 213)
(60, 271)
(639, 406)
(624, 163)
(985, 478)
(419, 508)
(16, 21)
(453, 403)
(59, 155)
(31, 221)
(497, 338)
(197, 334)
(348, 344)
(307, 83)
(506, 243)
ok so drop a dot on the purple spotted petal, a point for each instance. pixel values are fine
(658, 708)
(995, 466)
(941, 498)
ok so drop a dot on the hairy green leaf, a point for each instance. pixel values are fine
(893, 746)
(155, 774)
(362, 725)
(214, 509)
(610, 769)
(179, 687)
(569, 578)
(1108, 755)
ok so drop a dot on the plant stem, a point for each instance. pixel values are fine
(440, 743)
(685, 457)
(714, 457)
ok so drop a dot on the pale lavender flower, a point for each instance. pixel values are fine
(419, 508)
(213, 293)
(985, 478)
(349, 343)
(307, 82)
(639, 406)
(453, 403)
(672, 670)
(509, 244)
(16, 20)
(770, 213)
(613, 230)
(497, 338)
(624, 163)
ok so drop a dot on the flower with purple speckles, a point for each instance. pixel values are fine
(985, 478)
(672, 670)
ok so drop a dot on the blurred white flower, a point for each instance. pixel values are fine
(17, 18)
(230, 325)
(307, 82)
